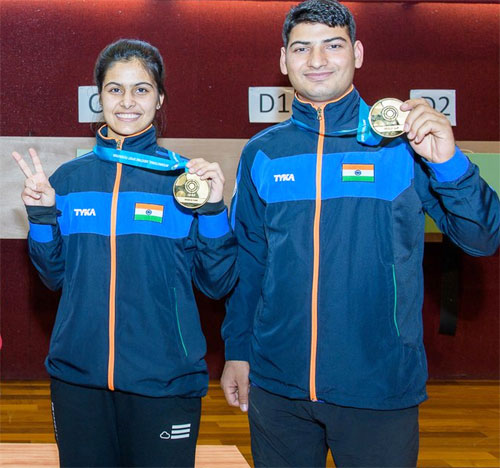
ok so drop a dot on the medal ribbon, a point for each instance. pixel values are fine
(172, 161)
(364, 133)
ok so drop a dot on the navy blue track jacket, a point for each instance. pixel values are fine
(125, 255)
(331, 236)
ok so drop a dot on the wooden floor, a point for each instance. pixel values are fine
(22, 455)
(459, 424)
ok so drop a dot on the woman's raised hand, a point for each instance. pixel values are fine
(210, 172)
(37, 189)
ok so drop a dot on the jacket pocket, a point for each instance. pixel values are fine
(407, 313)
(395, 305)
(64, 311)
(173, 294)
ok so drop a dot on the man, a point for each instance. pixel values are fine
(325, 321)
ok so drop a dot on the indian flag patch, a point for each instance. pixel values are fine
(148, 212)
(358, 172)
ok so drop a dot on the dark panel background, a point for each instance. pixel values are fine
(215, 50)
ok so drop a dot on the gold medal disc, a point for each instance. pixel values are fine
(190, 191)
(386, 118)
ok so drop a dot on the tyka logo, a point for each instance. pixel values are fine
(284, 178)
(84, 211)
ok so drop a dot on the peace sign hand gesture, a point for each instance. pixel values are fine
(37, 189)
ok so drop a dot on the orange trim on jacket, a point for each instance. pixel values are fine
(124, 136)
(316, 249)
(112, 279)
(112, 240)
(305, 101)
(316, 239)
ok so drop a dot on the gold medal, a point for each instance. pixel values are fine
(190, 191)
(386, 118)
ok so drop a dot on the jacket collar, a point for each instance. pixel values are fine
(339, 115)
(143, 142)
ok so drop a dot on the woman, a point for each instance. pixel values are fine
(126, 353)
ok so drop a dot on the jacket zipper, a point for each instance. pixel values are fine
(316, 248)
(112, 281)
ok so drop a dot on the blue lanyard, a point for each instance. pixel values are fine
(364, 133)
(172, 161)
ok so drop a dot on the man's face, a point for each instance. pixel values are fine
(320, 61)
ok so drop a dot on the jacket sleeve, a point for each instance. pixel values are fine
(247, 218)
(214, 269)
(45, 245)
(461, 203)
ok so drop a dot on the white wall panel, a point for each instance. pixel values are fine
(55, 151)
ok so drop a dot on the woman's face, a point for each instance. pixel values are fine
(129, 98)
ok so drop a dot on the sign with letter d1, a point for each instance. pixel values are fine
(89, 108)
(269, 104)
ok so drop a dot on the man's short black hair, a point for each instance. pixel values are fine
(329, 12)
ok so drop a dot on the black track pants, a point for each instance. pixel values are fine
(298, 433)
(101, 428)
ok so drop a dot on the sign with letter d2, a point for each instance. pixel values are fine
(269, 104)
(443, 100)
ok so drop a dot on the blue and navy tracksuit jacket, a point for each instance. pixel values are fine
(127, 318)
(328, 304)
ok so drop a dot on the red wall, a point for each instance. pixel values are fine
(213, 52)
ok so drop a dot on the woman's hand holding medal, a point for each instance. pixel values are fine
(204, 182)
(210, 172)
